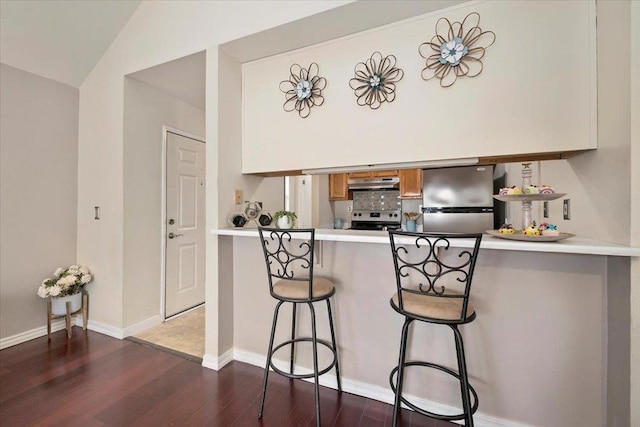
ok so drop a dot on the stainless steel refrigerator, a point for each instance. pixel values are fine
(458, 199)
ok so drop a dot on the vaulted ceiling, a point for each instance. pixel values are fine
(63, 40)
(60, 39)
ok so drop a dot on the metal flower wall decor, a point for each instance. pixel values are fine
(375, 80)
(303, 90)
(456, 50)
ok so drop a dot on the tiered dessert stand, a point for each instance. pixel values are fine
(527, 202)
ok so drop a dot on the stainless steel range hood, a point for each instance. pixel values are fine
(379, 183)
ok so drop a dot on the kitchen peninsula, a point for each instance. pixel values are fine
(542, 326)
(551, 343)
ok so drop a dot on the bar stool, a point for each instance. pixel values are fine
(433, 286)
(289, 257)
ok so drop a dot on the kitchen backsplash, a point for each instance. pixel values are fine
(379, 200)
(342, 209)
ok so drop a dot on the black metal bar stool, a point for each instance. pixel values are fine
(433, 285)
(289, 257)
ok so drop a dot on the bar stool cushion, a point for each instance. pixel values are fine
(431, 306)
(299, 289)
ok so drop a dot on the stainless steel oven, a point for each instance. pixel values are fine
(376, 210)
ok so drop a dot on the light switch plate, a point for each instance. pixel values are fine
(237, 197)
(566, 209)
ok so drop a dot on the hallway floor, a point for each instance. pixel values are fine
(182, 334)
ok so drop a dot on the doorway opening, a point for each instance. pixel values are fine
(164, 181)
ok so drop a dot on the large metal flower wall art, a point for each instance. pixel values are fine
(456, 50)
(375, 80)
(303, 90)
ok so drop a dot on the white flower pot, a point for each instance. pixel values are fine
(59, 305)
(284, 223)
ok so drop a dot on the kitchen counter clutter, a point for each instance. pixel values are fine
(575, 245)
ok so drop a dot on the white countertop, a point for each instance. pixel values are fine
(573, 245)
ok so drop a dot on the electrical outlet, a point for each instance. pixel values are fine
(566, 209)
(237, 197)
(545, 209)
(349, 208)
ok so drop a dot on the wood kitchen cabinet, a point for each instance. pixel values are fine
(366, 174)
(338, 187)
(382, 174)
(373, 174)
(410, 183)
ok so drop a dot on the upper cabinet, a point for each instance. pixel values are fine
(338, 187)
(528, 100)
(410, 183)
(373, 174)
(360, 174)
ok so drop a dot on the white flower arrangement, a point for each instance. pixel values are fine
(65, 281)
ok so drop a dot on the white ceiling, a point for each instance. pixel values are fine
(351, 18)
(184, 78)
(64, 39)
(60, 40)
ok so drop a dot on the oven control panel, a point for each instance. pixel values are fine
(389, 216)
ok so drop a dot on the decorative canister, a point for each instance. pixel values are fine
(265, 219)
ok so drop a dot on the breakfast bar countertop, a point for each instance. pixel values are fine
(574, 245)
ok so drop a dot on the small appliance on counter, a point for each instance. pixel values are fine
(376, 210)
(458, 199)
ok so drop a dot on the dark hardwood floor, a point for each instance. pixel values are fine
(94, 380)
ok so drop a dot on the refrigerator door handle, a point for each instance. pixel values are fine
(469, 210)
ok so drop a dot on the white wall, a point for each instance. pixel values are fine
(598, 183)
(529, 97)
(157, 32)
(227, 177)
(635, 212)
(534, 353)
(146, 110)
(39, 155)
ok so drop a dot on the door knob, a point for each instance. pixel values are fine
(173, 235)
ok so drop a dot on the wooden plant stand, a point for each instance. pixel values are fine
(85, 315)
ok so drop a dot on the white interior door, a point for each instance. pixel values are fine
(185, 228)
(303, 201)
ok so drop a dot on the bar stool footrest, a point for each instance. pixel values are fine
(311, 374)
(454, 417)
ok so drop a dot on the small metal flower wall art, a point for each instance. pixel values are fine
(375, 80)
(303, 90)
(456, 50)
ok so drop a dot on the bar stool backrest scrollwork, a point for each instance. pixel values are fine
(289, 255)
(427, 264)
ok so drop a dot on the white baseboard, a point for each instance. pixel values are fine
(382, 394)
(101, 328)
(217, 363)
(142, 326)
(226, 358)
(56, 325)
(209, 361)
(105, 329)
(119, 332)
